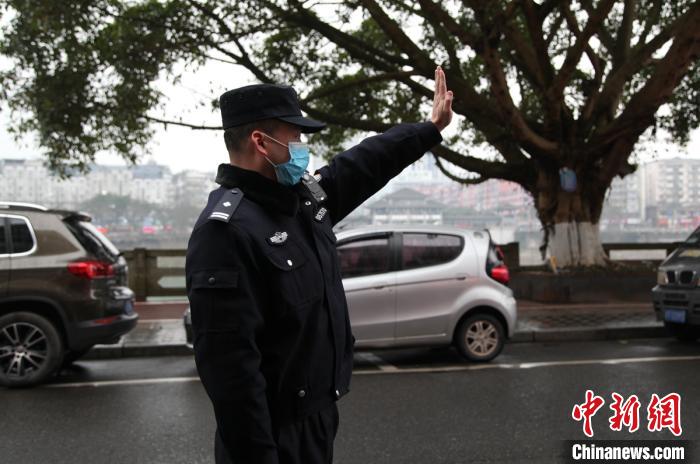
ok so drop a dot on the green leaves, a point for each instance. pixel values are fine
(83, 74)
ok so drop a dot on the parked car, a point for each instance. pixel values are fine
(677, 293)
(63, 289)
(409, 286)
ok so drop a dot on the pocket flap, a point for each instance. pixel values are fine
(215, 278)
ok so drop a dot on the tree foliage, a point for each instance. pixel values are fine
(545, 85)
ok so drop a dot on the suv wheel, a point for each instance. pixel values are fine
(683, 332)
(69, 357)
(30, 349)
(480, 337)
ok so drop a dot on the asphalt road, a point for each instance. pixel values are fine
(416, 406)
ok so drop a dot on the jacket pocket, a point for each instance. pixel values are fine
(212, 297)
(293, 275)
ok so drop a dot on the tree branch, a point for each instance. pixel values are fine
(166, 122)
(434, 10)
(461, 180)
(603, 34)
(640, 57)
(573, 55)
(511, 114)
(350, 83)
(534, 27)
(487, 169)
(624, 33)
(357, 48)
(399, 37)
(639, 112)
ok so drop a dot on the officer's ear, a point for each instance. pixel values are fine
(259, 142)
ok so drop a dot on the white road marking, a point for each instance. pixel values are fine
(109, 383)
(377, 361)
(391, 369)
(476, 367)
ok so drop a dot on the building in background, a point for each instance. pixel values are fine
(31, 182)
(406, 206)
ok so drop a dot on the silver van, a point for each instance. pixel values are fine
(415, 285)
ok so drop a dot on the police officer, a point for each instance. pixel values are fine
(272, 338)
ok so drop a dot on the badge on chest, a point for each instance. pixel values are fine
(278, 238)
(321, 214)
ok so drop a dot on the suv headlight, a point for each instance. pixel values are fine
(661, 278)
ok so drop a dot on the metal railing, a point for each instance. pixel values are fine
(161, 272)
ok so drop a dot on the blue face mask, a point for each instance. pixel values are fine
(290, 173)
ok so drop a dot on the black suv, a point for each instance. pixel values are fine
(677, 293)
(63, 289)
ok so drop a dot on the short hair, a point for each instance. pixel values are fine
(235, 136)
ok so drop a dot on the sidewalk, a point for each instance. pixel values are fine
(160, 329)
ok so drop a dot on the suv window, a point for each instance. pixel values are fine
(22, 240)
(93, 240)
(364, 257)
(3, 239)
(421, 250)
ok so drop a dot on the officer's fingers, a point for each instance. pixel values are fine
(439, 82)
(449, 96)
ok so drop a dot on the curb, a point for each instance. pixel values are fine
(588, 334)
(525, 336)
(138, 351)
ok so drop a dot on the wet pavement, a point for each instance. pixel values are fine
(516, 409)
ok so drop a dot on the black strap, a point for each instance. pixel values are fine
(314, 187)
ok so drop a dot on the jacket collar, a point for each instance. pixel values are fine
(266, 192)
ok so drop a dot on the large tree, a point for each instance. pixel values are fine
(546, 85)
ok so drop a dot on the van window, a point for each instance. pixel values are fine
(421, 250)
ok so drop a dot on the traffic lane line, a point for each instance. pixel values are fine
(381, 363)
(415, 370)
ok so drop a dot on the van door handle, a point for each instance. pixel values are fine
(380, 285)
(461, 276)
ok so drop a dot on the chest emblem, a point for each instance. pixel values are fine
(278, 239)
(321, 214)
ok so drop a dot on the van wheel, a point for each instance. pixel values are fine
(30, 349)
(683, 332)
(480, 337)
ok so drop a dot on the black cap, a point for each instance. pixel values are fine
(264, 101)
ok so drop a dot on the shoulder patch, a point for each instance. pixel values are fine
(227, 205)
(311, 183)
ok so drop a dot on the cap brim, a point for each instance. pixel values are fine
(307, 125)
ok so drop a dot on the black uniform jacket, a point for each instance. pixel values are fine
(272, 336)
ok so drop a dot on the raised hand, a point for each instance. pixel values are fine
(442, 101)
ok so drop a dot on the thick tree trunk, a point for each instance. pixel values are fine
(570, 220)
(576, 244)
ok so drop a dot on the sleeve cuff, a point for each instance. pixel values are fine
(430, 135)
